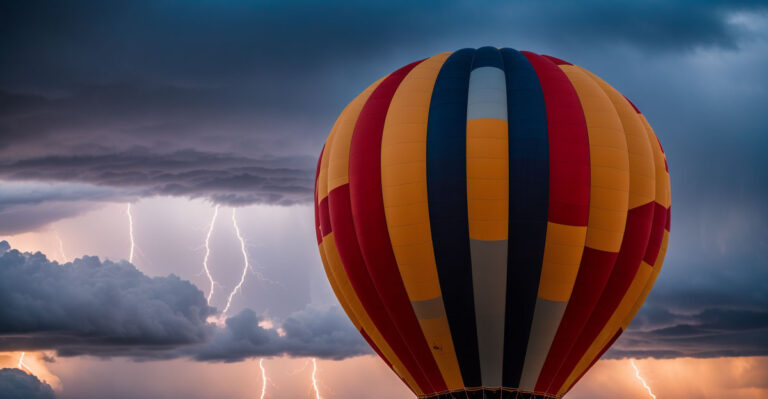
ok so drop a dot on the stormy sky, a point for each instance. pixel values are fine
(180, 106)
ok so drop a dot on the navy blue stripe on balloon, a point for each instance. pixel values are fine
(447, 197)
(487, 57)
(528, 206)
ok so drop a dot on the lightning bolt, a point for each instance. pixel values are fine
(61, 246)
(637, 375)
(21, 365)
(130, 232)
(314, 378)
(263, 378)
(246, 265)
(208, 252)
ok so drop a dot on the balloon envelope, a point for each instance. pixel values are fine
(491, 220)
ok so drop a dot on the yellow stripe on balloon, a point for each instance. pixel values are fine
(488, 179)
(404, 190)
(339, 275)
(642, 178)
(327, 178)
(338, 160)
(337, 290)
(609, 164)
(562, 254)
(636, 295)
(662, 175)
(608, 206)
(646, 274)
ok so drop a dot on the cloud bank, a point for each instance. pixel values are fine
(224, 178)
(107, 309)
(231, 102)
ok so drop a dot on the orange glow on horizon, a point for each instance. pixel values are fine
(690, 378)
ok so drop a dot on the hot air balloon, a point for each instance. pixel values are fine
(491, 220)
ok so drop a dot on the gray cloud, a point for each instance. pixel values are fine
(668, 26)
(89, 305)
(40, 190)
(312, 332)
(224, 178)
(711, 333)
(706, 303)
(108, 309)
(235, 99)
(37, 191)
(16, 384)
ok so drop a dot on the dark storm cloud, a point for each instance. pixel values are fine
(257, 85)
(650, 26)
(108, 309)
(712, 303)
(712, 333)
(16, 384)
(222, 177)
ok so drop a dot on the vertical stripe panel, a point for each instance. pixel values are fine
(609, 164)
(404, 191)
(352, 271)
(609, 199)
(488, 206)
(399, 365)
(528, 206)
(568, 210)
(642, 191)
(653, 274)
(446, 190)
(371, 227)
(646, 274)
(318, 234)
(334, 286)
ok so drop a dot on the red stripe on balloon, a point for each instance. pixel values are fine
(568, 145)
(633, 105)
(636, 235)
(317, 212)
(657, 234)
(594, 271)
(354, 264)
(325, 218)
(556, 60)
(319, 234)
(371, 224)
